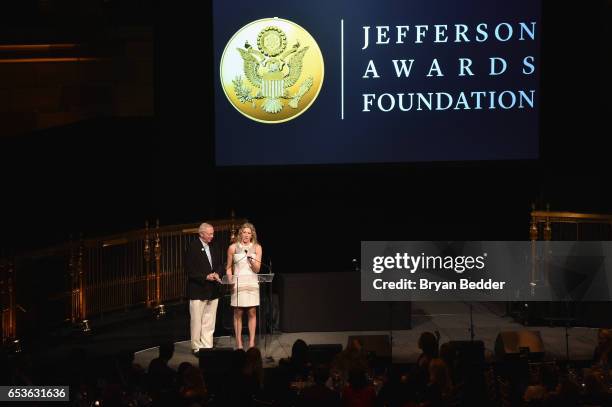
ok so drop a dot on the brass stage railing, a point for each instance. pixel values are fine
(566, 226)
(7, 301)
(89, 278)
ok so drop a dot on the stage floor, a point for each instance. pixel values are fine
(452, 320)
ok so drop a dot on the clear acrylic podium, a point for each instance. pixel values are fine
(263, 283)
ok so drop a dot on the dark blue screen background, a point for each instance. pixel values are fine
(319, 136)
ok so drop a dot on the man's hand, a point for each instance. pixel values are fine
(213, 277)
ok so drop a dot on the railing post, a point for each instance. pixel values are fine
(547, 239)
(11, 336)
(147, 259)
(157, 266)
(533, 236)
(82, 286)
(233, 226)
(159, 309)
(8, 302)
(533, 225)
(4, 304)
(547, 227)
(73, 283)
(12, 285)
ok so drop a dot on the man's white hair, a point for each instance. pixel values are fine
(204, 226)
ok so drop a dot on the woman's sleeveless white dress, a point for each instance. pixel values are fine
(245, 293)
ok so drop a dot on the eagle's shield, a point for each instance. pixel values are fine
(273, 89)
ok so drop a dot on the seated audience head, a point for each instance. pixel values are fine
(238, 359)
(194, 389)
(166, 350)
(299, 351)
(603, 350)
(193, 377)
(428, 344)
(354, 345)
(604, 336)
(253, 367)
(253, 364)
(183, 367)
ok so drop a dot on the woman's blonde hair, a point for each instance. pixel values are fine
(253, 232)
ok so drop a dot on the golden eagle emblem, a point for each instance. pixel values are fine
(272, 69)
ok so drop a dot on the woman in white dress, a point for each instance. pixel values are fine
(244, 262)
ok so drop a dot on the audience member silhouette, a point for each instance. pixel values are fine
(319, 394)
(353, 357)
(162, 378)
(358, 393)
(603, 351)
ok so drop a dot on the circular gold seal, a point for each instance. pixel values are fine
(276, 80)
